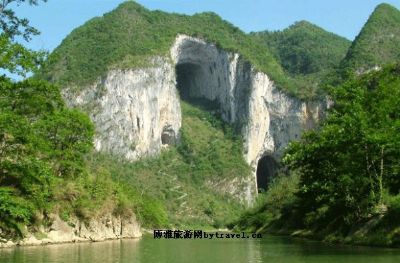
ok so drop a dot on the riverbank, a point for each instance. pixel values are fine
(106, 227)
(380, 230)
(277, 212)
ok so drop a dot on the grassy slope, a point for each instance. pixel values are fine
(378, 41)
(129, 35)
(306, 52)
(189, 179)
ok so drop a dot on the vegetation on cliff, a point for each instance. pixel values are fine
(44, 167)
(47, 166)
(192, 179)
(348, 168)
(130, 35)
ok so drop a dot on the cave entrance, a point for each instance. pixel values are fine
(192, 82)
(266, 170)
(189, 78)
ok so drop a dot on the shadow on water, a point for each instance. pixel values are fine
(267, 249)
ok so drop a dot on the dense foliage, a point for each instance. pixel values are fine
(270, 206)
(40, 141)
(308, 53)
(378, 42)
(353, 159)
(304, 48)
(130, 35)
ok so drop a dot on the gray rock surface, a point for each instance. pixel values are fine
(97, 229)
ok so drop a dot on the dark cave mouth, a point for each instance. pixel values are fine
(267, 168)
(190, 79)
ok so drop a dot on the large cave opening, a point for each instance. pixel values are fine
(266, 170)
(189, 78)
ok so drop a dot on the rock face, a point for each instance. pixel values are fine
(132, 110)
(100, 229)
(269, 119)
(137, 111)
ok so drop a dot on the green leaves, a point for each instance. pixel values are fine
(346, 164)
(30, 98)
(12, 25)
(15, 58)
(13, 209)
(40, 141)
(66, 136)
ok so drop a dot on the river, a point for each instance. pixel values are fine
(147, 249)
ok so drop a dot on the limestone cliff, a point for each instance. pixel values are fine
(97, 229)
(137, 111)
(132, 109)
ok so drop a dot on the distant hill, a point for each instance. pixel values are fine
(305, 48)
(378, 43)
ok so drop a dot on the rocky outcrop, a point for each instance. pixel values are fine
(269, 118)
(103, 228)
(137, 111)
(132, 109)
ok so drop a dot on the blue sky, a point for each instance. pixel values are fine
(56, 18)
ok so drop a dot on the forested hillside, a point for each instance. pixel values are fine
(378, 42)
(305, 49)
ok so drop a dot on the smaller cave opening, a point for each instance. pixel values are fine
(168, 136)
(266, 170)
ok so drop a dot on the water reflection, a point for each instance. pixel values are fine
(108, 251)
(268, 249)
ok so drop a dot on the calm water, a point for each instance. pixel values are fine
(268, 249)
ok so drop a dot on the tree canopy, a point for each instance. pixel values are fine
(14, 57)
(350, 163)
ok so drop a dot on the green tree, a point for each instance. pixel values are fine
(14, 57)
(352, 160)
(66, 136)
(41, 142)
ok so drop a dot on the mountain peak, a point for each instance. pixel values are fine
(304, 48)
(130, 4)
(377, 42)
(384, 7)
(385, 12)
(302, 23)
